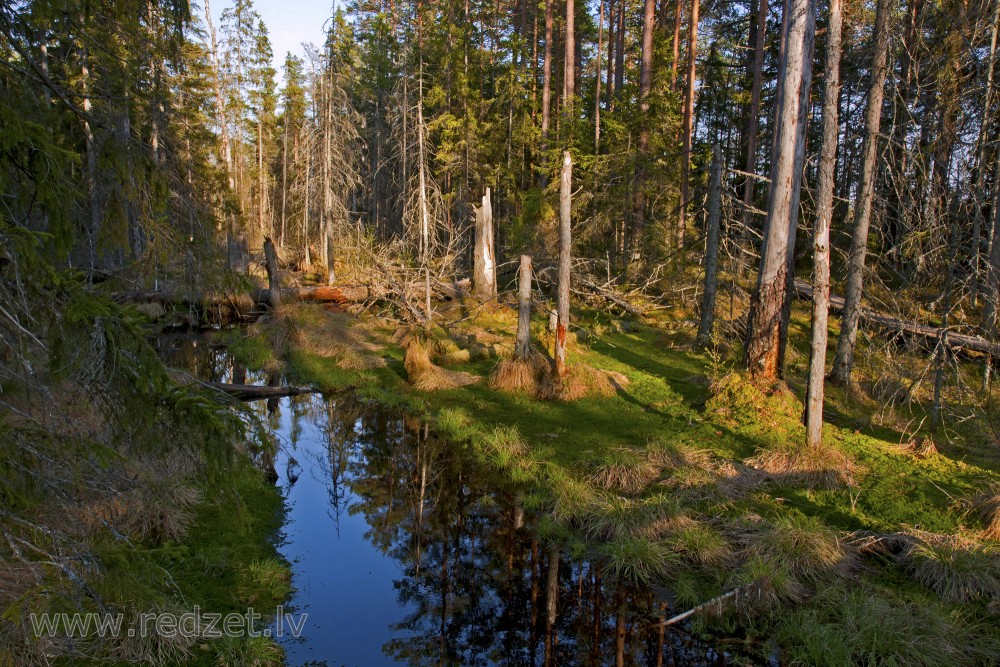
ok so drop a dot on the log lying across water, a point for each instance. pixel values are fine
(250, 392)
(956, 341)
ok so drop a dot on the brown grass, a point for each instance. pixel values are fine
(919, 447)
(581, 381)
(425, 376)
(822, 467)
(987, 506)
(627, 470)
(957, 568)
(337, 336)
(527, 375)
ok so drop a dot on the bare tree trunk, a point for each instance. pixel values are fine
(687, 129)
(484, 275)
(620, 50)
(597, 80)
(547, 78)
(565, 248)
(305, 213)
(522, 347)
(620, 629)
(94, 230)
(991, 297)
(752, 130)
(609, 100)
(711, 250)
(676, 45)
(569, 71)
(767, 325)
(843, 361)
(273, 279)
(821, 231)
(284, 181)
(977, 225)
(642, 147)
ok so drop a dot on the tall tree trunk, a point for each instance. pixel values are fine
(676, 45)
(305, 213)
(597, 80)
(975, 250)
(843, 361)
(821, 231)
(767, 326)
(547, 78)
(620, 50)
(752, 130)
(642, 148)
(569, 72)
(565, 248)
(609, 100)
(90, 146)
(273, 279)
(687, 129)
(991, 296)
(712, 249)
(284, 181)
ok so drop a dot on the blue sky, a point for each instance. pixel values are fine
(290, 23)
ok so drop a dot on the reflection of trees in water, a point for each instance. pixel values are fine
(482, 588)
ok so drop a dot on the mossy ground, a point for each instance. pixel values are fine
(706, 519)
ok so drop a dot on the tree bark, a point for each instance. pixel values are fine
(273, 279)
(676, 45)
(821, 231)
(767, 326)
(642, 147)
(843, 361)
(569, 72)
(752, 130)
(712, 249)
(687, 128)
(547, 78)
(484, 278)
(565, 247)
(522, 347)
(597, 80)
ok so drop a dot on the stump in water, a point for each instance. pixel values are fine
(485, 279)
(271, 265)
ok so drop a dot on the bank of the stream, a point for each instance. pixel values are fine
(688, 480)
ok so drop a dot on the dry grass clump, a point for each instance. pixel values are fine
(626, 470)
(956, 568)
(919, 447)
(425, 376)
(804, 547)
(527, 375)
(819, 467)
(581, 381)
(987, 506)
(335, 335)
(159, 514)
(362, 362)
(701, 544)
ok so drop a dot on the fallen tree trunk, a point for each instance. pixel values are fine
(613, 298)
(251, 392)
(955, 341)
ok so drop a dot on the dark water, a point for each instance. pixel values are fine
(405, 551)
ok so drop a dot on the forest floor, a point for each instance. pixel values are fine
(879, 548)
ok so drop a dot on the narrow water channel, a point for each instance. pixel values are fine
(404, 551)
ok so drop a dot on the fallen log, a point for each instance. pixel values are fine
(955, 341)
(251, 392)
(610, 296)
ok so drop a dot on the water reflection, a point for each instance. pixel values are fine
(405, 551)
(471, 583)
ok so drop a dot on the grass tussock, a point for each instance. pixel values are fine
(581, 381)
(804, 547)
(636, 560)
(920, 448)
(425, 375)
(957, 568)
(866, 626)
(987, 507)
(626, 470)
(340, 336)
(823, 467)
(521, 375)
